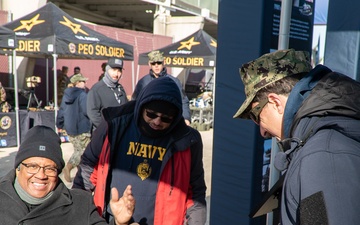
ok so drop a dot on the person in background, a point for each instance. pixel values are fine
(103, 66)
(107, 92)
(62, 82)
(146, 143)
(2, 94)
(73, 118)
(77, 70)
(32, 192)
(314, 114)
(5, 107)
(157, 69)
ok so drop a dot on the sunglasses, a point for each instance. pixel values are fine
(163, 119)
(254, 113)
(157, 63)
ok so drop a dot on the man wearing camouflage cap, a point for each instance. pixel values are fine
(157, 69)
(73, 118)
(315, 116)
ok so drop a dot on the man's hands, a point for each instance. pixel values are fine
(122, 208)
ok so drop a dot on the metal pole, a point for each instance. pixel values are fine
(285, 18)
(16, 99)
(55, 89)
(47, 80)
(283, 43)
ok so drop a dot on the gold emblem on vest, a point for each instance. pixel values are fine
(143, 170)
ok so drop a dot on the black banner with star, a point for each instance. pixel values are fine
(49, 30)
(196, 50)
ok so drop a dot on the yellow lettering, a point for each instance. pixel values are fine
(132, 148)
(188, 61)
(167, 60)
(142, 151)
(109, 51)
(86, 49)
(29, 45)
(145, 151)
(161, 153)
(152, 153)
(3, 134)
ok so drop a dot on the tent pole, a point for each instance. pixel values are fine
(16, 99)
(133, 75)
(137, 74)
(213, 96)
(55, 89)
(47, 80)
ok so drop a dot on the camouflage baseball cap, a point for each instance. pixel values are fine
(268, 69)
(156, 56)
(78, 77)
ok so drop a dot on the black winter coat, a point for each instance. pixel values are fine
(72, 115)
(64, 207)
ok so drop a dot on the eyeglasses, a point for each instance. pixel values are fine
(254, 113)
(158, 63)
(34, 168)
(162, 118)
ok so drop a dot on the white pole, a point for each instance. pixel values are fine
(47, 80)
(133, 76)
(16, 98)
(55, 89)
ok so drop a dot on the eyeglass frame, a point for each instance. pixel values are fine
(254, 113)
(153, 115)
(157, 63)
(45, 168)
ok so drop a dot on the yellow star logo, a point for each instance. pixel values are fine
(188, 44)
(74, 27)
(213, 43)
(28, 24)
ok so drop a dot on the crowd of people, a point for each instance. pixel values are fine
(144, 148)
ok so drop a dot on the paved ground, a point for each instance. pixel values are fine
(7, 156)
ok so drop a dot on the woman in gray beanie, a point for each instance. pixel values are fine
(32, 192)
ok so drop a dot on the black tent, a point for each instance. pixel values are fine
(49, 30)
(197, 50)
(7, 38)
(7, 45)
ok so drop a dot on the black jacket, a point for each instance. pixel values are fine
(65, 206)
(101, 96)
(322, 116)
(72, 115)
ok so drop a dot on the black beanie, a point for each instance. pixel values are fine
(41, 141)
(162, 106)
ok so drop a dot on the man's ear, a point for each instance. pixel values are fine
(278, 101)
(17, 171)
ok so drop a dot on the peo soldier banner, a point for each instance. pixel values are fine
(196, 50)
(49, 30)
